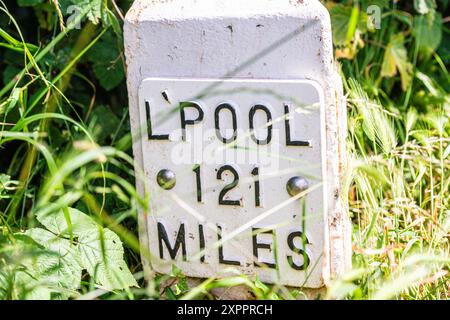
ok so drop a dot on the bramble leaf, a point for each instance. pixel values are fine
(66, 267)
(98, 249)
(37, 271)
(101, 255)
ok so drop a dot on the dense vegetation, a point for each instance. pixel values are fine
(67, 200)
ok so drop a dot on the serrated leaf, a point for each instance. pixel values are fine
(396, 59)
(94, 15)
(66, 264)
(100, 250)
(56, 222)
(37, 273)
(58, 269)
(102, 256)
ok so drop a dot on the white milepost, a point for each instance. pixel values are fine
(239, 126)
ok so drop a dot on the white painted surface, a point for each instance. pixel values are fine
(252, 39)
(276, 162)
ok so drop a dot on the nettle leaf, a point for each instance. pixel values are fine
(95, 14)
(98, 249)
(428, 30)
(38, 273)
(424, 6)
(396, 59)
(109, 74)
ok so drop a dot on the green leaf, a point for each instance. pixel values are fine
(396, 59)
(346, 21)
(57, 223)
(424, 6)
(38, 272)
(107, 60)
(5, 284)
(65, 265)
(99, 250)
(28, 287)
(428, 31)
(94, 15)
(428, 83)
(104, 123)
(101, 253)
(13, 99)
(114, 22)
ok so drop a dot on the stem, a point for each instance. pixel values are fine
(86, 35)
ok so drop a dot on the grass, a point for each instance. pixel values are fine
(65, 142)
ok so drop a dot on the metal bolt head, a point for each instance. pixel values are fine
(296, 185)
(166, 179)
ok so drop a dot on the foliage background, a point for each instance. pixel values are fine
(67, 198)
